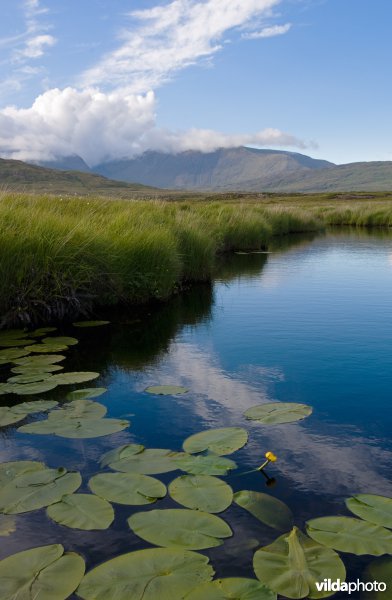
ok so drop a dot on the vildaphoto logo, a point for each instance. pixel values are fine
(329, 585)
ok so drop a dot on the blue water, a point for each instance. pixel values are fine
(310, 322)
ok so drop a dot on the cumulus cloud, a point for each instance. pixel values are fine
(267, 32)
(100, 127)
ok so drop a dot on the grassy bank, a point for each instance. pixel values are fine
(62, 257)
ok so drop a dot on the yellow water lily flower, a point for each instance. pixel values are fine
(271, 456)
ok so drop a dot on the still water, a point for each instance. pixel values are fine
(310, 322)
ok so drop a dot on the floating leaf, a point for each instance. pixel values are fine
(127, 488)
(90, 323)
(149, 462)
(7, 525)
(11, 343)
(12, 334)
(39, 361)
(80, 409)
(267, 509)
(351, 535)
(156, 573)
(180, 528)
(82, 511)
(34, 406)
(201, 492)
(76, 377)
(86, 393)
(372, 508)
(29, 378)
(12, 353)
(210, 464)
(379, 570)
(166, 390)
(41, 331)
(224, 440)
(8, 417)
(60, 341)
(44, 348)
(273, 413)
(121, 453)
(43, 573)
(10, 470)
(293, 563)
(24, 389)
(36, 489)
(44, 369)
(5, 388)
(76, 428)
(232, 588)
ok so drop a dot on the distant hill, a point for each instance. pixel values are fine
(66, 163)
(18, 176)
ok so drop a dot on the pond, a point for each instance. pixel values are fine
(310, 322)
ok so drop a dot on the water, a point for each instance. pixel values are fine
(310, 322)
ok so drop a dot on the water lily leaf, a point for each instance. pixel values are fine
(10, 470)
(351, 535)
(86, 393)
(273, 413)
(60, 341)
(34, 406)
(149, 462)
(29, 378)
(11, 342)
(90, 323)
(236, 588)
(7, 525)
(44, 369)
(267, 509)
(41, 331)
(82, 511)
(44, 427)
(293, 563)
(210, 464)
(201, 492)
(121, 453)
(8, 417)
(80, 409)
(45, 348)
(180, 528)
(224, 440)
(24, 389)
(12, 334)
(36, 489)
(39, 361)
(76, 428)
(379, 570)
(12, 353)
(5, 388)
(127, 488)
(156, 573)
(76, 377)
(372, 508)
(166, 390)
(44, 573)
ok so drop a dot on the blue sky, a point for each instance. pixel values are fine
(111, 78)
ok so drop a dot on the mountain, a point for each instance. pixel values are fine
(225, 169)
(17, 176)
(66, 163)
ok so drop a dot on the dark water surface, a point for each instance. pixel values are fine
(310, 322)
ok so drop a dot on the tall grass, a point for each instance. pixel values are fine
(62, 257)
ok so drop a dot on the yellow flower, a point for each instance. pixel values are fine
(271, 456)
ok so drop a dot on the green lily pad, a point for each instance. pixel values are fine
(44, 369)
(293, 563)
(156, 573)
(266, 508)
(372, 508)
(10, 470)
(149, 461)
(39, 361)
(46, 348)
(274, 413)
(201, 492)
(121, 453)
(80, 409)
(379, 570)
(36, 489)
(44, 573)
(166, 390)
(224, 440)
(210, 464)
(13, 343)
(60, 341)
(76, 377)
(236, 588)
(86, 393)
(7, 525)
(180, 528)
(90, 323)
(76, 428)
(82, 511)
(41, 331)
(12, 353)
(27, 389)
(12, 334)
(29, 378)
(5, 388)
(127, 488)
(350, 535)
(34, 406)
(8, 417)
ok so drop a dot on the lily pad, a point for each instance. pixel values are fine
(274, 413)
(201, 492)
(76, 377)
(90, 323)
(156, 573)
(266, 508)
(210, 464)
(82, 511)
(80, 409)
(8, 417)
(38, 361)
(44, 369)
(236, 588)
(5, 388)
(127, 488)
(7, 525)
(12, 353)
(76, 428)
(149, 461)
(12, 334)
(45, 573)
(29, 378)
(36, 489)
(10, 470)
(86, 393)
(60, 341)
(293, 563)
(378, 570)
(34, 406)
(27, 389)
(41, 331)
(224, 440)
(13, 343)
(372, 508)
(121, 453)
(180, 528)
(166, 390)
(351, 535)
(45, 348)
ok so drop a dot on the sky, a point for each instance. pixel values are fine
(109, 79)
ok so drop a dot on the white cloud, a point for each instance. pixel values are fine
(35, 46)
(267, 32)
